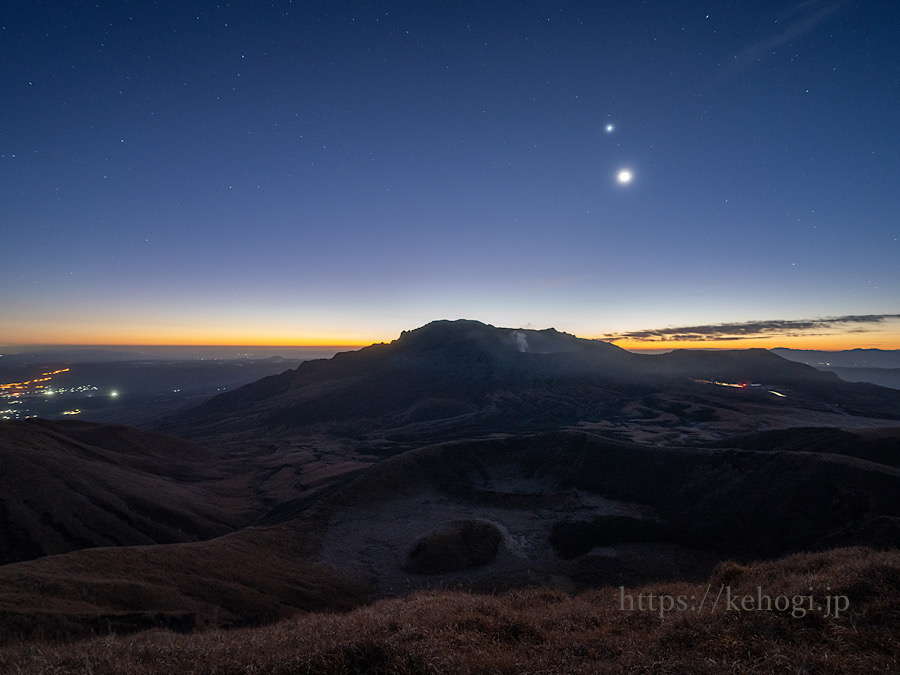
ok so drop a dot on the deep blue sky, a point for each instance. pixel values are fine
(327, 172)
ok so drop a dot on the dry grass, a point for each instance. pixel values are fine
(74, 485)
(256, 576)
(538, 631)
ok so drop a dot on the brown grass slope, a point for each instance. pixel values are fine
(71, 485)
(251, 577)
(732, 503)
(544, 631)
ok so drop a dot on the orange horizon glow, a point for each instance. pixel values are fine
(211, 345)
(191, 339)
(345, 335)
(811, 342)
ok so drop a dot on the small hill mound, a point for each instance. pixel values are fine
(458, 545)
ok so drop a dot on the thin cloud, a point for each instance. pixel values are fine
(862, 323)
(802, 22)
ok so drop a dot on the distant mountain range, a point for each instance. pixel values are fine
(849, 358)
(878, 366)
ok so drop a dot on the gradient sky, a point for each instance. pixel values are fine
(333, 172)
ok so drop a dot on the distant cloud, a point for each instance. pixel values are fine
(756, 329)
(801, 19)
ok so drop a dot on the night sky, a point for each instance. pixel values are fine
(333, 173)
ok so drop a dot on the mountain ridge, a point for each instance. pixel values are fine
(455, 376)
(74, 484)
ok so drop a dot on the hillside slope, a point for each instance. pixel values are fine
(71, 485)
(568, 510)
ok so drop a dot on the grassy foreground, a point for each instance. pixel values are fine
(548, 631)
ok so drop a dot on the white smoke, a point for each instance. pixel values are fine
(521, 341)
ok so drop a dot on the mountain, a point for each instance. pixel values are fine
(458, 379)
(72, 485)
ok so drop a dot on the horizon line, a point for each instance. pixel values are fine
(657, 347)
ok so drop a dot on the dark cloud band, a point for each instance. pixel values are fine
(756, 329)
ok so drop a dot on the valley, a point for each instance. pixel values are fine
(459, 456)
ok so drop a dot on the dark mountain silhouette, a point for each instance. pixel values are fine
(458, 379)
(447, 378)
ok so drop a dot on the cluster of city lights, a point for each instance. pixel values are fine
(29, 386)
(13, 393)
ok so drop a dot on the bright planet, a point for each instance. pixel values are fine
(624, 176)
